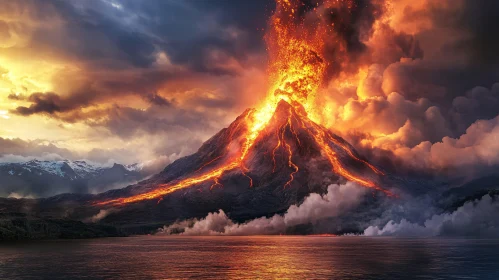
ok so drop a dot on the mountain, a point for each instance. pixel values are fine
(284, 165)
(45, 178)
(290, 158)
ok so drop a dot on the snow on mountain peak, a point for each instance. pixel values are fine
(65, 168)
(52, 167)
(134, 167)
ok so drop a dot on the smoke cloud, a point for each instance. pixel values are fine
(101, 215)
(475, 219)
(337, 200)
(477, 148)
(394, 81)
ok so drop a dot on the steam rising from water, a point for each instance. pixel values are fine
(337, 200)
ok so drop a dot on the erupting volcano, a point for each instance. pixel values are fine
(282, 136)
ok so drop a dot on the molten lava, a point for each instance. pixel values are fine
(296, 69)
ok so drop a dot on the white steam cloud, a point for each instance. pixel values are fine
(337, 200)
(99, 216)
(475, 218)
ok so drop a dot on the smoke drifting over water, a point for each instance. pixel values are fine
(475, 218)
(337, 200)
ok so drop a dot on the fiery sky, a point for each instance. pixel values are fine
(411, 83)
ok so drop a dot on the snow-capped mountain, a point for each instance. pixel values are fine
(44, 178)
(134, 167)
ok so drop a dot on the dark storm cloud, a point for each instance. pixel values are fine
(119, 46)
(478, 103)
(51, 104)
(191, 29)
(135, 32)
(468, 56)
(155, 99)
(41, 103)
(90, 30)
(481, 21)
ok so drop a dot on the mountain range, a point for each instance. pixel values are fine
(37, 178)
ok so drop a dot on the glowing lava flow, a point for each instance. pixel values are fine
(296, 68)
(281, 142)
(214, 175)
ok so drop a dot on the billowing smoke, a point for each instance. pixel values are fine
(337, 200)
(475, 150)
(101, 215)
(475, 218)
(396, 101)
(350, 25)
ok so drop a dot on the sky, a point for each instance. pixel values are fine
(412, 84)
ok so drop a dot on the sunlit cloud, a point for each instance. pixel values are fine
(4, 114)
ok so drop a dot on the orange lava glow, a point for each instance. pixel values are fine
(296, 69)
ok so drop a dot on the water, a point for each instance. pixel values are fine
(262, 257)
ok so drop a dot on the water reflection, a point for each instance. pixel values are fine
(263, 257)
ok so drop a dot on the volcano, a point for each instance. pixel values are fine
(288, 151)
(247, 175)
(290, 158)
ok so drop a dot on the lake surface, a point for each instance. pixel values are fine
(261, 257)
